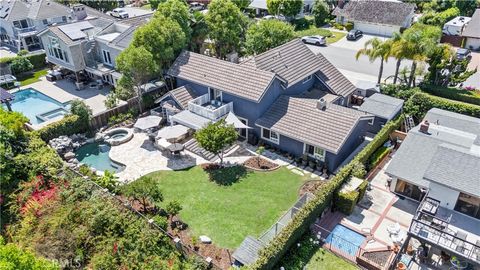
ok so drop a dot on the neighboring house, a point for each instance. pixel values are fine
(22, 20)
(376, 17)
(261, 9)
(90, 46)
(455, 26)
(288, 96)
(472, 32)
(383, 107)
(441, 156)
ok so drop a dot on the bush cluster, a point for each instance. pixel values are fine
(37, 60)
(453, 93)
(345, 201)
(377, 157)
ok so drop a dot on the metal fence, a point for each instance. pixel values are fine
(176, 242)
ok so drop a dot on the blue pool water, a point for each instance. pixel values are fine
(346, 240)
(96, 156)
(32, 103)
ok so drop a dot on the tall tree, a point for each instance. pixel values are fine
(320, 11)
(176, 10)
(215, 137)
(398, 51)
(163, 38)
(199, 31)
(374, 49)
(227, 25)
(267, 34)
(137, 66)
(242, 4)
(467, 7)
(288, 8)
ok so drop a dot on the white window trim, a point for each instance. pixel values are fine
(277, 141)
(105, 59)
(214, 89)
(308, 78)
(317, 157)
(371, 121)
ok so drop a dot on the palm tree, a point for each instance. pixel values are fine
(398, 51)
(373, 49)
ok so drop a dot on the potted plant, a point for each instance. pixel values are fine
(298, 160)
(304, 160)
(401, 266)
(319, 166)
(312, 164)
(195, 243)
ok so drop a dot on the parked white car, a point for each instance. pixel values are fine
(119, 13)
(316, 40)
(195, 6)
(271, 17)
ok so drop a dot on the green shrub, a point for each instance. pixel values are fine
(119, 118)
(148, 102)
(20, 65)
(377, 156)
(420, 103)
(69, 125)
(398, 90)
(338, 26)
(345, 201)
(303, 23)
(22, 53)
(362, 189)
(472, 97)
(7, 60)
(349, 26)
(38, 60)
(358, 169)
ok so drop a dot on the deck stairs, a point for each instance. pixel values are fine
(193, 146)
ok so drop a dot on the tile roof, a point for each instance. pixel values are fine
(382, 105)
(423, 157)
(376, 11)
(472, 29)
(236, 79)
(292, 61)
(455, 167)
(334, 79)
(299, 118)
(183, 95)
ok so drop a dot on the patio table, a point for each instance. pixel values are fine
(175, 148)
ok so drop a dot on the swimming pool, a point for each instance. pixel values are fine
(96, 156)
(346, 240)
(37, 106)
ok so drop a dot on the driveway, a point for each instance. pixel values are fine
(474, 80)
(342, 55)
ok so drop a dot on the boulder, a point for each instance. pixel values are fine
(69, 155)
(205, 239)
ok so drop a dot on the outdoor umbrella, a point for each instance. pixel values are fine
(147, 122)
(232, 119)
(6, 97)
(172, 132)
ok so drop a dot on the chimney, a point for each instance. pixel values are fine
(424, 126)
(79, 12)
(321, 104)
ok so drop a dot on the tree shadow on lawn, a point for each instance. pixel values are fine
(226, 176)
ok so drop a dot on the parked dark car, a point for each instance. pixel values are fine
(463, 54)
(354, 34)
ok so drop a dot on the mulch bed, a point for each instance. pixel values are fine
(260, 164)
(379, 257)
(311, 186)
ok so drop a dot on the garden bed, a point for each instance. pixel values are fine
(311, 186)
(260, 164)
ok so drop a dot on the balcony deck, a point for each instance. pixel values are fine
(211, 110)
(455, 233)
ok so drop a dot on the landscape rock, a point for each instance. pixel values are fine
(69, 156)
(205, 239)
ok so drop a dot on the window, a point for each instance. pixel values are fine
(269, 135)
(20, 24)
(215, 94)
(371, 121)
(54, 50)
(468, 205)
(307, 79)
(45, 22)
(106, 57)
(64, 18)
(315, 152)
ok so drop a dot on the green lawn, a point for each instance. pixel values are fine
(228, 210)
(314, 257)
(29, 78)
(332, 36)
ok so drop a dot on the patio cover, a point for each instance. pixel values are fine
(172, 132)
(232, 119)
(148, 122)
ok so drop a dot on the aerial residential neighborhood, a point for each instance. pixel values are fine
(240, 134)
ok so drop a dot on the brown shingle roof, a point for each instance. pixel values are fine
(292, 61)
(299, 118)
(333, 78)
(239, 80)
(376, 11)
(473, 27)
(183, 95)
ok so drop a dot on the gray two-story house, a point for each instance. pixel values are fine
(90, 45)
(22, 20)
(289, 98)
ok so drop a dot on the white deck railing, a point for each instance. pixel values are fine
(196, 106)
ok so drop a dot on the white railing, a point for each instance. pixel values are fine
(196, 107)
(25, 30)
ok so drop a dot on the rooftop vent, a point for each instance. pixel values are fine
(424, 126)
(321, 104)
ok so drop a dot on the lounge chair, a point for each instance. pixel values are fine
(393, 229)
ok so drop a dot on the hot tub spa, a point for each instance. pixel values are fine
(118, 136)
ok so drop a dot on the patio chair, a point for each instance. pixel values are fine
(393, 229)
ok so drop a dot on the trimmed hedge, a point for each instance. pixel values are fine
(420, 103)
(362, 189)
(345, 201)
(377, 156)
(69, 125)
(452, 93)
(276, 249)
(37, 60)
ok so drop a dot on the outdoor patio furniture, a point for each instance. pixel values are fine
(393, 229)
(175, 148)
(162, 144)
(147, 122)
(173, 132)
(398, 238)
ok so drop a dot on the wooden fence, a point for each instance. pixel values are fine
(101, 119)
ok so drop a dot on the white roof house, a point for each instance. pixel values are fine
(455, 26)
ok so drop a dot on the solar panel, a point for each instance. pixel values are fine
(74, 30)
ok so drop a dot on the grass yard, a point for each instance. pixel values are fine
(236, 204)
(313, 257)
(29, 78)
(332, 36)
